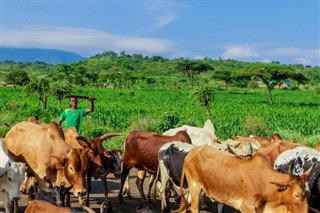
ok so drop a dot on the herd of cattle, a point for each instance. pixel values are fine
(249, 174)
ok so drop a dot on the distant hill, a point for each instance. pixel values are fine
(40, 55)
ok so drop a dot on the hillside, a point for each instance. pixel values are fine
(48, 56)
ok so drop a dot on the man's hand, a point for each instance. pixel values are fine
(91, 98)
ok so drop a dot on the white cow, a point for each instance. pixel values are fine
(11, 176)
(199, 136)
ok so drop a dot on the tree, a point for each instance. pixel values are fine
(270, 74)
(18, 77)
(41, 87)
(203, 94)
(223, 74)
(60, 89)
(191, 68)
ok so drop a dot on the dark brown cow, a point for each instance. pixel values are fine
(249, 185)
(48, 156)
(141, 151)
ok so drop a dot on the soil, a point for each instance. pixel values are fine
(130, 204)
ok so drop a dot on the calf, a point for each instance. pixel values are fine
(11, 176)
(141, 151)
(247, 184)
(171, 157)
(301, 158)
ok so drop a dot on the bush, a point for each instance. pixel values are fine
(255, 126)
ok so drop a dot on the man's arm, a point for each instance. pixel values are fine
(91, 99)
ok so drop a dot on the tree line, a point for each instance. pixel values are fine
(121, 70)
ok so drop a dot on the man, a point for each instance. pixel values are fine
(73, 115)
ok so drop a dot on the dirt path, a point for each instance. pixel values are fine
(97, 197)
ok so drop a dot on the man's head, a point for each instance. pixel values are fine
(73, 102)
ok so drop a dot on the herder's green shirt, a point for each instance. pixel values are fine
(73, 118)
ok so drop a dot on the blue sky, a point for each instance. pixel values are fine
(272, 30)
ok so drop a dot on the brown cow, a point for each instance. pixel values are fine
(40, 206)
(247, 184)
(141, 151)
(273, 149)
(101, 161)
(47, 155)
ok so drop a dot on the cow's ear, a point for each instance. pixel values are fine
(83, 141)
(281, 187)
(63, 162)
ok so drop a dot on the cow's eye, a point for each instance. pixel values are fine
(71, 168)
(10, 179)
(296, 195)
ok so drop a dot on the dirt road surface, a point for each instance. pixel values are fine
(97, 197)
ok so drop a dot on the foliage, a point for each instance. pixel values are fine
(18, 77)
(41, 87)
(203, 94)
(270, 74)
(117, 110)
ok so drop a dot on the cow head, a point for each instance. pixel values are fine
(295, 192)
(113, 163)
(11, 180)
(59, 193)
(75, 167)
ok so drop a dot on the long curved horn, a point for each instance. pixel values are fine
(230, 150)
(308, 172)
(109, 135)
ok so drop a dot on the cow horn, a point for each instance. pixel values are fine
(290, 172)
(308, 172)
(236, 146)
(230, 150)
(251, 149)
(109, 135)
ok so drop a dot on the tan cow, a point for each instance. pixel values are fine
(249, 185)
(199, 136)
(48, 156)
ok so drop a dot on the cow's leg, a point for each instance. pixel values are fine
(139, 182)
(68, 202)
(151, 182)
(164, 180)
(89, 186)
(6, 202)
(195, 191)
(124, 174)
(107, 203)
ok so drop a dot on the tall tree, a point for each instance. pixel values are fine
(223, 74)
(192, 67)
(60, 89)
(270, 74)
(203, 94)
(41, 87)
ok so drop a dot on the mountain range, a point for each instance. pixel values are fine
(48, 56)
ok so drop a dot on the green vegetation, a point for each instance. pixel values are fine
(155, 94)
(294, 115)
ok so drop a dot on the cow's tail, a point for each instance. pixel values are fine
(183, 202)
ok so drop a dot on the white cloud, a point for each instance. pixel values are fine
(86, 42)
(164, 13)
(267, 52)
(240, 53)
